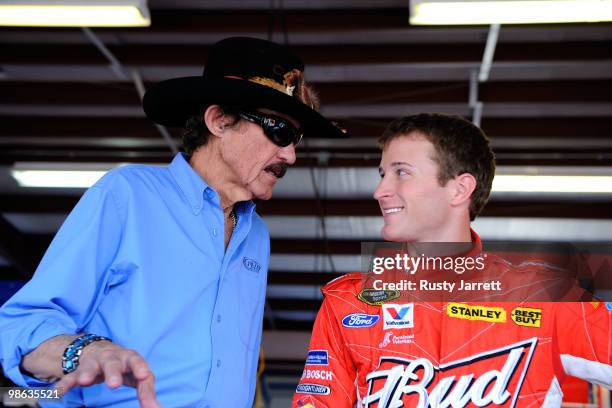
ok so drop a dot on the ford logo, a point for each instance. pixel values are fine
(357, 320)
(251, 264)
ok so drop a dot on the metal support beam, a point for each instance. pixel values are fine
(487, 58)
(121, 73)
(115, 65)
(483, 74)
(137, 78)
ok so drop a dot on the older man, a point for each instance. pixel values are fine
(160, 272)
(389, 350)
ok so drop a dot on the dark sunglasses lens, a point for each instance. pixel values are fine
(283, 134)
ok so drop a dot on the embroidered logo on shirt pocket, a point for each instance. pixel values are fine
(251, 264)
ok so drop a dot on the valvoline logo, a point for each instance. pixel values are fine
(398, 315)
(251, 264)
(359, 320)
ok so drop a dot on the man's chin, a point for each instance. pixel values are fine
(263, 195)
(389, 234)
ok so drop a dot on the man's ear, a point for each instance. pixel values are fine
(214, 119)
(465, 184)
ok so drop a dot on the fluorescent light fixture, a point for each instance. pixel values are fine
(65, 175)
(74, 13)
(453, 12)
(552, 184)
(508, 179)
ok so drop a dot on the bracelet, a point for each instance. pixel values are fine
(70, 358)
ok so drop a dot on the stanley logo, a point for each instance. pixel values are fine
(526, 316)
(469, 312)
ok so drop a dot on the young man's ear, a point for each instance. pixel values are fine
(214, 119)
(465, 184)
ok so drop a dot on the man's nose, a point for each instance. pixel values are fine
(383, 190)
(287, 153)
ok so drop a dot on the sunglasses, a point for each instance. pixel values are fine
(280, 131)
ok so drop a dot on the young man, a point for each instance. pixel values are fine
(436, 175)
(160, 272)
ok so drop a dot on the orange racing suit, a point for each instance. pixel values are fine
(450, 354)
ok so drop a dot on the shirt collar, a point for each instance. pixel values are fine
(196, 190)
(191, 184)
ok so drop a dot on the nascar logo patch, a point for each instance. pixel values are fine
(376, 297)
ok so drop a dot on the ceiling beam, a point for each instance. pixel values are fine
(361, 72)
(567, 33)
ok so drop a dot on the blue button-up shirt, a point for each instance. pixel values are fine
(141, 260)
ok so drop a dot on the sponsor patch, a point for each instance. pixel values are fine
(476, 312)
(391, 338)
(317, 375)
(251, 264)
(314, 389)
(527, 316)
(377, 297)
(317, 357)
(609, 306)
(486, 379)
(359, 320)
(398, 316)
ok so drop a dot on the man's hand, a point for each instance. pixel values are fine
(100, 361)
(103, 361)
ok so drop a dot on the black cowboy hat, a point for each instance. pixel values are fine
(245, 72)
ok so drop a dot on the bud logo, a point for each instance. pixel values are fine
(398, 316)
(359, 320)
(399, 382)
(526, 316)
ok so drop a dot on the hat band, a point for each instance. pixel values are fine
(268, 82)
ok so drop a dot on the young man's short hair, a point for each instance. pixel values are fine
(460, 146)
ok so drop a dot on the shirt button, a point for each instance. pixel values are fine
(218, 318)
(218, 363)
(215, 232)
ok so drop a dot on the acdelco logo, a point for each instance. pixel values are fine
(399, 382)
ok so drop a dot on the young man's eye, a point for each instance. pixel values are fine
(402, 172)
